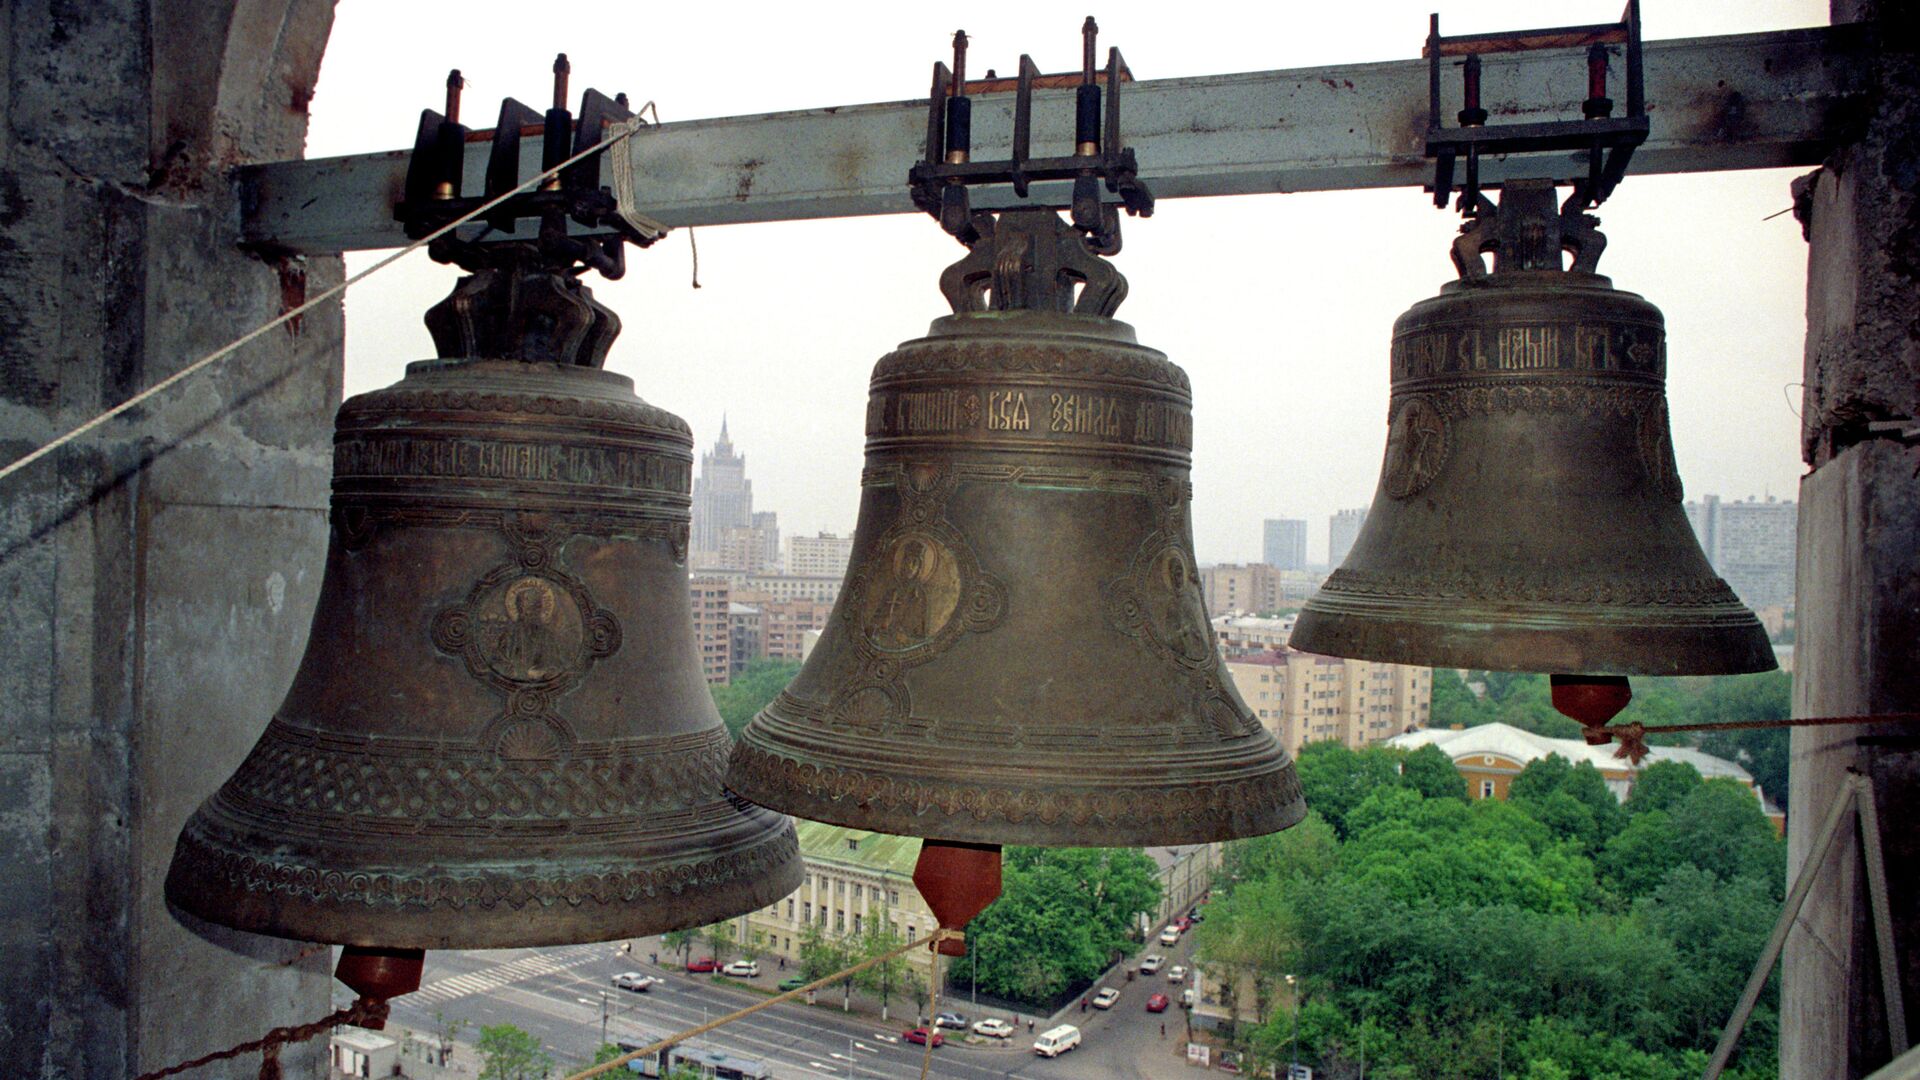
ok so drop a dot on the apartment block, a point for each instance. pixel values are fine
(1304, 698)
(825, 555)
(712, 626)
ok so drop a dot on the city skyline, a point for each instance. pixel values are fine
(1290, 398)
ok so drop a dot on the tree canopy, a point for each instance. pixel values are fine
(751, 690)
(1062, 916)
(1559, 932)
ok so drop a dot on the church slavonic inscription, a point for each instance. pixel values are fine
(1007, 411)
(1562, 347)
(1083, 414)
(489, 459)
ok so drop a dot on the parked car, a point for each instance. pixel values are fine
(993, 1028)
(794, 983)
(1170, 936)
(702, 966)
(1176, 974)
(1057, 1040)
(1105, 998)
(1184, 922)
(633, 980)
(920, 1034)
(950, 1020)
(1197, 916)
(1151, 962)
(1186, 998)
(1157, 1003)
(742, 969)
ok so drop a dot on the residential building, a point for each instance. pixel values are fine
(854, 879)
(1239, 634)
(712, 626)
(1304, 698)
(1186, 873)
(753, 548)
(745, 642)
(1284, 544)
(722, 496)
(825, 555)
(1751, 544)
(784, 624)
(1491, 755)
(1342, 529)
(1257, 587)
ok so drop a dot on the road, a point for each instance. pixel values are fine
(556, 994)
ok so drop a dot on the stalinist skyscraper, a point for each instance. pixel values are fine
(722, 495)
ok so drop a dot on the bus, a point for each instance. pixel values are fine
(706, 1063)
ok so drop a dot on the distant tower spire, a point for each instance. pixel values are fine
(723, 427)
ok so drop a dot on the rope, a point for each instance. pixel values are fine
(367, 1012)
(620, 132)
(933, 939)
(933, 1010)
(1633, 737)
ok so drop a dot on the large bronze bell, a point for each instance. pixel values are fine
(1021, 654)
(1528, 516)
(499, 734)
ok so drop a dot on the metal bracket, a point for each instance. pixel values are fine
(940, 182)
(1608, 140)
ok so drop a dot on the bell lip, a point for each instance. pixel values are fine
(1732, 644)
(1056, 323)
(209, 899)
(1277, 804)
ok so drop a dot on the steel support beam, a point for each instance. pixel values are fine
(1740, 101)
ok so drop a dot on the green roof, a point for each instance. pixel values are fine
(881, 852)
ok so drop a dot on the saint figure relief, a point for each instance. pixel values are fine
(535, 640)
(915, 596)
(1182, 622)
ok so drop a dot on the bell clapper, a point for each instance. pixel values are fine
(378, 974)
(1592, 700)
(958, 881)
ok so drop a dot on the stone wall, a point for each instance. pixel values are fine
(157, 577)
(1858, 648)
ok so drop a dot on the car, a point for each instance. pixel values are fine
(1105, 998)
(1186, 998)
(702, 966)
(633, 980)
(950, 1020)
(1197, 916)
(1176, 974)
(742, 969)
(1170, 936)
(993, 1028)
(920, 1034)
(1056, 1041)
(1184, 922)
(1151, 963)
(1157, 1003)
(794, 983)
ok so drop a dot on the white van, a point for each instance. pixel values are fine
(1056, 1041)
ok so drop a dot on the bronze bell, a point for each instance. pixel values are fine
(499, 735)
(1528, 516)
(1021, 653)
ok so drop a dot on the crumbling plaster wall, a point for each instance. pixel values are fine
(156, 578)
(1858, 648)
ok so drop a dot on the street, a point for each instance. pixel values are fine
(556, 994)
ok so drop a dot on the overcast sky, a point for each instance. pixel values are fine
(1279, 307)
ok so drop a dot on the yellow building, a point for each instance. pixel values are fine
(852, 878)
(1304, 698)
(1491, 755)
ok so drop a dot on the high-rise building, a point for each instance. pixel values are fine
(1751, 544)
(1304, 698)
(722, 496)
(1256, 587)
(713, 626)
(1342, 529)
(1284, 544)
(825, 555)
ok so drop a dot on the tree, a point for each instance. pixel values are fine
(888, 977)
(1429, 771)
(1061, 916)
(822, 954)
(720, 938)
(445, 1031)
(681, 941)
(1662, 786)
(1453, 702)
(1635, 860)
(1334, 777)
(751, 690)
(1763, 752)
(508, 1053)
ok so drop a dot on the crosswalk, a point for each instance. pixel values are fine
(487, 979)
